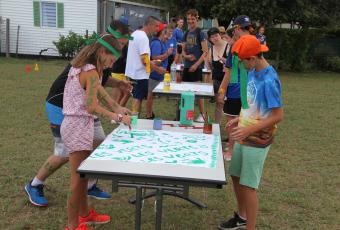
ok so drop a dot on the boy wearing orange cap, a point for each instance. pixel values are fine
(255, 131)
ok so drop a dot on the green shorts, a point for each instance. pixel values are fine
(247, 164)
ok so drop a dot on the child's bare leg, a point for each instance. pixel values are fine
(149, 104)
(52, 163)
(241, 203)
(124, 99)
(116, 93)
(77, 200)
(218, 111)
(251, 203)
(136, 104)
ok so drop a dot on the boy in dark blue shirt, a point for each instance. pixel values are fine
(195, 50)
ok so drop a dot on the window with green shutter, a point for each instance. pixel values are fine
(48, 14)
(60, 13)
(36, 13)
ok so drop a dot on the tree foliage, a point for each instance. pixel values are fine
(304, 13)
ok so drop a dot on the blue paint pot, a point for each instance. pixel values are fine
(157, 124)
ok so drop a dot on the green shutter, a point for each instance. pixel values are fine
(60, 15)
(36, 13)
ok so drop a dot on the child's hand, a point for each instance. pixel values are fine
(231, 122)
(240, 133)
(161, 70)
(126, 120)
(193, 68)
(222, 60)
(123, 110)
(169, 51)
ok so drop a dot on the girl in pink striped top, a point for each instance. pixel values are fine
(82, 94)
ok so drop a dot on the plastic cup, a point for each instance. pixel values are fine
(207, 128)
(157, 124)
(134, 119)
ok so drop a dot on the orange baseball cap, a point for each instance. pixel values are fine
(247, 46)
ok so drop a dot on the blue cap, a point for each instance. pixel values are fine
(242, 20)
(124, 20)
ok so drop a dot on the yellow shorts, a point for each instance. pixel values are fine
(118, 76)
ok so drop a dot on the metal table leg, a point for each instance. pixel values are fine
(159, 206)
(138, 212)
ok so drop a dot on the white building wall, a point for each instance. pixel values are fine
(79, 16)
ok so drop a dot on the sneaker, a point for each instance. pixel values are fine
(200, 118)
(36, 194)
(94, 218)
(80, 227)
(227, 156)
(97, 193)
(234, 223)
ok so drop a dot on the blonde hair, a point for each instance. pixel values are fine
(90, 53)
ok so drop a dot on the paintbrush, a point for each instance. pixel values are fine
(205, 118)
(131, 134)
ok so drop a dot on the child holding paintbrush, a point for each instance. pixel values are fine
(82, 95)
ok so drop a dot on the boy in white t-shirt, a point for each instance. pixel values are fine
(138, 63)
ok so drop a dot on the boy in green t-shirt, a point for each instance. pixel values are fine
(255, 131)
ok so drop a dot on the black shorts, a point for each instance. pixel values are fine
(140, 89)
(192, 76)
(232, 106)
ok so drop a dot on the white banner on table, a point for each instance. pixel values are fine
(187, 87)
(157, 146)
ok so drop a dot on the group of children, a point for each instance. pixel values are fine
(77, 98)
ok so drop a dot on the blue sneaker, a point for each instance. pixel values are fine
(97, 193)
(36, 195)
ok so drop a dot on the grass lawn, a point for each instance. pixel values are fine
(300, 185)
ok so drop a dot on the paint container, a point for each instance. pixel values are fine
(157, 124)
(187, 108)
(207, 128)
(166, 82)
(134, 119)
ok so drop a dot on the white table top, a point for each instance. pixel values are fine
(160, 172)
(198, 88)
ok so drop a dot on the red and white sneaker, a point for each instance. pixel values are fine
(80, 227)
(94, 218)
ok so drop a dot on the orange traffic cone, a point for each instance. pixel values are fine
(28, 69)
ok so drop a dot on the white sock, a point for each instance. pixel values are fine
(36, 182)
(245, 219)
(90, 183)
